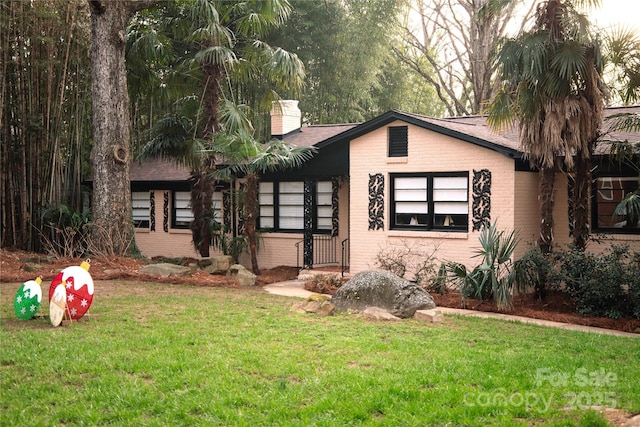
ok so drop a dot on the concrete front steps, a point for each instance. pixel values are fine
(308, 274)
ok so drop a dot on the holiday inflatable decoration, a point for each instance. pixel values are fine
(28, 299)
(78, 286)
(57, 305)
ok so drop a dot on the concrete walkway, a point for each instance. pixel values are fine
(291, 288)
(295, 288)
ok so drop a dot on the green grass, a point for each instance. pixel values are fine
(155, 354)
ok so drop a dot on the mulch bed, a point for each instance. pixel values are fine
(14, 268)
(556, 306)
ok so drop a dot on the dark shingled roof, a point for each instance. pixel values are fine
(476, 126)
(311, 135)
(473, 129)
(157, 170)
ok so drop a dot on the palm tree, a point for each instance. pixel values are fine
(246, 157)
(223, 43)
(551, 82)
(622, 48)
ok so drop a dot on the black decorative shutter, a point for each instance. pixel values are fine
(481, 198)
(308, 224)
(376, 201)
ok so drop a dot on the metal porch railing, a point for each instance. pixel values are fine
(324, 251)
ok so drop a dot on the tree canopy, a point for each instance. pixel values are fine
(352, 73)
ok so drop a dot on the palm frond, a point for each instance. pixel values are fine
(286, 69)
(569, 60)
(279, 155)
(235, 118)
(171, 139)
(501, 111)
(627, 122)
(203, 11)
(630, 208)
(217, 55)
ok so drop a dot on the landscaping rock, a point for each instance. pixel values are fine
(319, 297)
(429, 316)
(216, 265)
(385, 290)
(38, 259)
(633, 422)
(377, 313)
(322, 308)
(31, 267)
(243, 276)
(165, 270)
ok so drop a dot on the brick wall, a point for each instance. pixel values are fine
(285, 117)
(173, 243)
(428, 152)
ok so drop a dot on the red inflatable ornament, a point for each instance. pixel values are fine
(79, 286)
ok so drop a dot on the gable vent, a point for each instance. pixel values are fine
(398, 141)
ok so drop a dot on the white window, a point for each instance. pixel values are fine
(291, 205)
(610, 191)
(411, 202)
(324, 207)
(265, 200)
(282, 205)
(182, 215)
(217, 206)
(140, 208)
(430, 201)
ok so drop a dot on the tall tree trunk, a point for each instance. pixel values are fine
(547, 190)
(592, 116)
(113, 232)
(202, 188)
(213, 74)
(581, 184)
(202, 185)
(251, 204)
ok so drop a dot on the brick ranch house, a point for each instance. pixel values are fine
(398, 179)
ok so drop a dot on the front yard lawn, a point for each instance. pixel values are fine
(162, 354)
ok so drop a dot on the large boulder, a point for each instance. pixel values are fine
(385, 290)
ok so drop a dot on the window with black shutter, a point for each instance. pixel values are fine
(398, 141)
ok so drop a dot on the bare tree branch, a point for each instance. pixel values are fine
(455, 45)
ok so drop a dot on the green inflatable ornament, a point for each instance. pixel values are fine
(28, 299)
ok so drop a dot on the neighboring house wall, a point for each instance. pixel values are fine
(428, 151)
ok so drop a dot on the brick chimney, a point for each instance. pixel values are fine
(285, 118)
